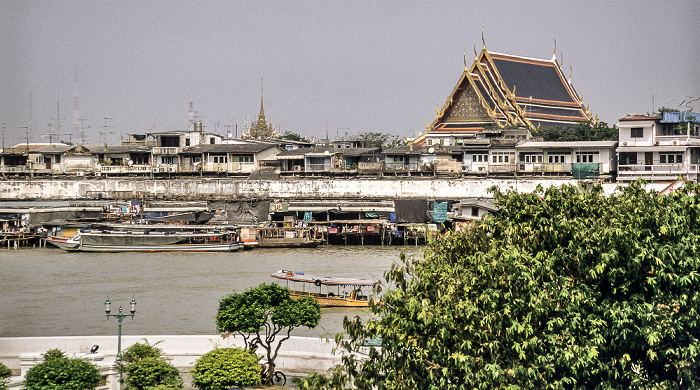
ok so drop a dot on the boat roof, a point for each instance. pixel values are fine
(325, 280)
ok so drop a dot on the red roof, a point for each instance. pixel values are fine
(638, 117)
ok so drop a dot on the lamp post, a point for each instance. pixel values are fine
(120, 317)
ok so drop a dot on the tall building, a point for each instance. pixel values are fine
(502, 90)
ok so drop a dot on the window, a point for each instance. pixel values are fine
(220, 159)
(637, 132)
(628, 158)
(58, 158)
(502, 157)
(531, 158)
(212, 141)
(398, 158)
(586, 157)
(671, 158)
(556, 158)
(475, 211)
(168, 160)
(187, 142)
(480, 158)
(429, 141)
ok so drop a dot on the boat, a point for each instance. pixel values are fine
(147, 241)
(277, 237)
(63, 242)
(327, 291)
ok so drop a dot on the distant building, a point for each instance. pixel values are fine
(659, 148)
(505, 91)
(260, 129)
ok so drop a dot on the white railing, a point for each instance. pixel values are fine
(679, 169)
(124, 168)
(317, 168)
(165, 150)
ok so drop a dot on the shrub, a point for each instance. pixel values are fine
(4, 374)
(226, 367)
(53, 354)
(150, 372)
(64, 374)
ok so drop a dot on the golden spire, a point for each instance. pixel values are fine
(476, 56)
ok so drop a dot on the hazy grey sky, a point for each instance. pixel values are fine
(350, 66)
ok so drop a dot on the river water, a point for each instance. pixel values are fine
(51, 292)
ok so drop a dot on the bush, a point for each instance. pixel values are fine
(64, 374)
(140, 351)
(150, 372)
(4, 374)
(53, 354)
(226, 367)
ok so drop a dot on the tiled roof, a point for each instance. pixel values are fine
(639, 117)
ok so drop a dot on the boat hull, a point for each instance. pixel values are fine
(223, 247)
(331, 301)
(287, 243)
(63, 242)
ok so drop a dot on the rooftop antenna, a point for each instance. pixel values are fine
(191, 128)
(82, 130)
(3, 136)
(76, 113)
(55, 132)
(26, 129)
(104, 132)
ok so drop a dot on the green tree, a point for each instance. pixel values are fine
(5, 373)
(599, 131)
(62, 373)
(379, 140)
(145, 367)
(293, 136)
(223, 368)
(260, 314)
(564, 289)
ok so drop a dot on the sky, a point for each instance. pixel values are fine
(328, 67)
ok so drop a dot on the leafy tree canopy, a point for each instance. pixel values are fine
(139, 351)
(223, 368)
(600, 131)
(62, 373)
(293, 136)
(261, 313)
(373, 140)
(564, 289)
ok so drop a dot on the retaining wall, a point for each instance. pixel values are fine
(124, 188)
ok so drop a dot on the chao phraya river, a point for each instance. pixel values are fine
(50, 292)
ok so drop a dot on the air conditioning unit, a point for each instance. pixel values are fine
(675, 142)
(624, 144)
(656, 143)
(171, 168)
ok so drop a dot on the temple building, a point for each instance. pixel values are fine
(261, 129)
(503, 91)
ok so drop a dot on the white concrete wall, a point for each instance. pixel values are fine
(283, 189)
(298, 355)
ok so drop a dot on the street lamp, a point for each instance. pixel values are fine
(120, 316)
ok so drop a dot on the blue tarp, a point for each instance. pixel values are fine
(439, 212)
(307, 216)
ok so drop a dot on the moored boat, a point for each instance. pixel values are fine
(127, 241)
(63, 242)
(327, 291)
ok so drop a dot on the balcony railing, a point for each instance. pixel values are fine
(124, 169)
(166, 150)
(631, 169)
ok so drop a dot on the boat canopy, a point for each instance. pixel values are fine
(320, 280)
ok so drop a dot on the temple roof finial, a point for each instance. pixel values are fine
(482, 38)
(554, 56)
(262, 111)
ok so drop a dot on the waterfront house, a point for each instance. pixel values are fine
(402, 159)
(580, 159)
(14, 160)
(169, 144)
(239, 158)
(48, 159)
(659, 148)
(122, 159)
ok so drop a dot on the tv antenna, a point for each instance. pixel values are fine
(104, 131)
